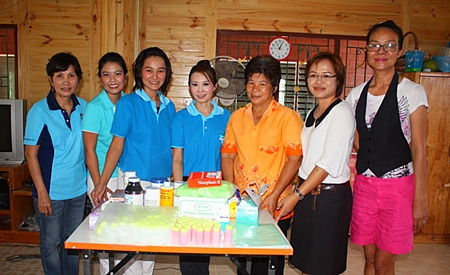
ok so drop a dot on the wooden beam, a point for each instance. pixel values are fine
(211, 29)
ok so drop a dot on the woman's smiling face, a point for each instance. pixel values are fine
(259, 90)
(382, 59)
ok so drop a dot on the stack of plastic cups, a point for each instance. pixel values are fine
(228, 234)
(176, 235)
(199, 235)
(183, 236)
(215, 238)
(184, 230)
(200, 232)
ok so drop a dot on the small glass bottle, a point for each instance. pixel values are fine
(133, 192)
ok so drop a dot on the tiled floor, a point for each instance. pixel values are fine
(432, 259)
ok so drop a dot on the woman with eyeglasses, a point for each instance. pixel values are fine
(390, 185)
(323, 197)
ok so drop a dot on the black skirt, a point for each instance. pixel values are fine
(320, 237)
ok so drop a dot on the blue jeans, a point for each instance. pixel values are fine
(54, 231)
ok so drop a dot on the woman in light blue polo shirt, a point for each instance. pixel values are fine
(97, 122)
(197, 136)
(55, 155)
(99, 116)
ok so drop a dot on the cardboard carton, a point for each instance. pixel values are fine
(202, 207)
(205, 179)
(247, 212)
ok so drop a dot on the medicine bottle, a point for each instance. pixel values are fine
(133, 192)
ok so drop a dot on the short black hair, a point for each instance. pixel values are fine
(387, 25)
(111, 57)
(61, 62)
(266, 65)
(139, 63)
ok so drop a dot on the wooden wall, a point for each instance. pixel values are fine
(186, 30)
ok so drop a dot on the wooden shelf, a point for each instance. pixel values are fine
(5, 212)
(20, 204)
(23, 191)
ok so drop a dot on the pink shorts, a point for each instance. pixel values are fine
(382, 213)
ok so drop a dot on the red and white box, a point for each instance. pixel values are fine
(205, 179)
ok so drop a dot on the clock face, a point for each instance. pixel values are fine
(279, 48)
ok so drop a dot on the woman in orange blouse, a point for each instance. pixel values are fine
(262, 144)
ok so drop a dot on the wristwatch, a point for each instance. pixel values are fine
(300, 195)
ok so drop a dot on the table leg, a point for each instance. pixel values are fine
(272, 267)
(248, 265)
(239, 266)
(123, 262)
(86, 262)
(111, 260)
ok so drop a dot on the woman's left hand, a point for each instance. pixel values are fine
(420, 215)
(270, 203)
(286, 205)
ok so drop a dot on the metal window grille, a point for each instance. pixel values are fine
(293, 93)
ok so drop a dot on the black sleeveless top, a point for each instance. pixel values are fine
(383, 147)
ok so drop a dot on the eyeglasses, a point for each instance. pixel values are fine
(323, 77)
(389, 47)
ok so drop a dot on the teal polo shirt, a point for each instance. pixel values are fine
(61, 149)
(200, 137)
(98, 118)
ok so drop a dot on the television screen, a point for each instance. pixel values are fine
(5, 125)
(12, 125)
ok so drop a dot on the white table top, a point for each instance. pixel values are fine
(85, 239)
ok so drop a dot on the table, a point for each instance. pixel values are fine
(86, 240)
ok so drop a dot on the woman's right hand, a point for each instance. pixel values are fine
(286, 205)
(44, 204)
(99, 193)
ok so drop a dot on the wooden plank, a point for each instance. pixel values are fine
(432, 239)
(211, 29)
(19, 237)
(22, 48)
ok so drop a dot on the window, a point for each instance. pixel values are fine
(293, 93)
(8, 61)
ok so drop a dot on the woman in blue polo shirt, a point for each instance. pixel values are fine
(55, 155)
(141, 132)
(197, 136)
(97, 122)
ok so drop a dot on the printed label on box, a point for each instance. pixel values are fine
(205, 179)
(201, 207)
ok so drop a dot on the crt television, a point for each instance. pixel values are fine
(12, 127)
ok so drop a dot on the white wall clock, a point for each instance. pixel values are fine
(279, 48)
